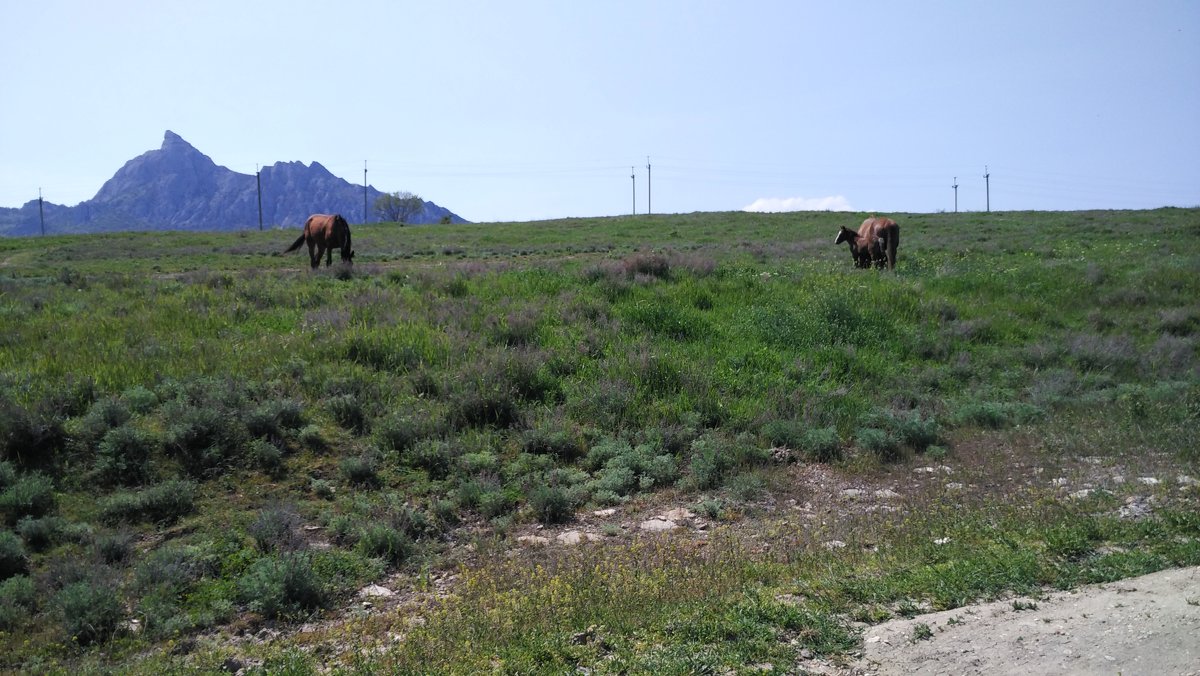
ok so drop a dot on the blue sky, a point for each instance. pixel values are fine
(523, 110)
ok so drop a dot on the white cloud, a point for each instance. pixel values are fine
(777, 204)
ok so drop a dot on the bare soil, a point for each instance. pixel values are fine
(1145, 625)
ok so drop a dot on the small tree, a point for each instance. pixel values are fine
(399, 207)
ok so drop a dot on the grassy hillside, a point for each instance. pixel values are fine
(201, 440)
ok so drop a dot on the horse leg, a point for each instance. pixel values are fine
(314, 255)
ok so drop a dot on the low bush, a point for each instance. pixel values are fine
(123, 456)
(266, 456)
(32, 494)
(396, 432)
(204, 439)
(551, 505)
(162, 503)
(360, 470)
(880, 443)
(349, 412)
(31, 436)
(18, 600)
(282, 586)
(114, 548)
(41, 533)
(821, 444)
(997, 415)
(91, 611)
(277, 529)
(272, 419)
(174, 567)
(384, 542)
(13, 560)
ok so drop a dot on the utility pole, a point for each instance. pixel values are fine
(41, 214)
(364, 191)
(649, 194)
(633, 180)
(258, 180)
(955, 186)
(987, 185)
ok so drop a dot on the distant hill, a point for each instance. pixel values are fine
(177, 187)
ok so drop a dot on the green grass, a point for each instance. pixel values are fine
(479, 378)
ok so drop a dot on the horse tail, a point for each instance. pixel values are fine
(295, 245)
(893, 243)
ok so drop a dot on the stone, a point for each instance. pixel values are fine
(572, 537)
(376, 591)
(678, 514)
(657, 525)
(533, 540)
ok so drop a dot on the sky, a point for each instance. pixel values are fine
(526, 110)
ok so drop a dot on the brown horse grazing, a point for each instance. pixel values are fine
(875, 242)
(323, 232)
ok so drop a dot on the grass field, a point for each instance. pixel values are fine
(206, 449)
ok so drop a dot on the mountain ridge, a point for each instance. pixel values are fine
(177, 187)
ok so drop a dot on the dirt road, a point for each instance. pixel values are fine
(1146, 625)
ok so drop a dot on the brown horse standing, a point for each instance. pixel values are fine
(323, 232)
(875, 242)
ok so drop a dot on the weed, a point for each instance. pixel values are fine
(1020, 605)
(920, 632)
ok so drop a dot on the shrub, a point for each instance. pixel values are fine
(18, 600)
(495, 503)
(13, 560)
(281, 586)
(8, 475)
(556, 440)
(266, 456)
(396, 433)
(785, 433)
(277, 529)
(139, 400)
(909, 429)
(113, 548)
(879, 442)
(384, 542)
(91, 611)
(104, 415)
(30, 437)
(30, 495)
(173, 567)
(203, 439)
(349, 412)
(997, 415)
(624, 469)
(432, 455)
(551, 505)
(310, 437)
(271, 419)
(747, 487)
(162, 503)
(821, 444)
(322, 489)
(360, 470)
(39, 534)
(123, 456)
